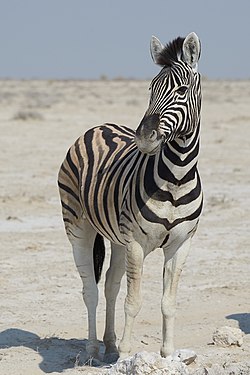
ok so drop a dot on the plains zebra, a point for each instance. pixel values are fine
(141, 190)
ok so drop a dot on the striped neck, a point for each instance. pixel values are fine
(173, 168)
(178, 159)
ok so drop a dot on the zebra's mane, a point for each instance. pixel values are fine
(171, 53)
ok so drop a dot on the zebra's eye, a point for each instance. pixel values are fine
(182, 90)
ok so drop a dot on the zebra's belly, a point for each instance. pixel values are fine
(107, 228)
(150, 235)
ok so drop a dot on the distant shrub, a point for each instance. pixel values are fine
(103, 77)
(132, 102)
(27, 115)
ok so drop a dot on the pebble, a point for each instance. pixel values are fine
(184, 355)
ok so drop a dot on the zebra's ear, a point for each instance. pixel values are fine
(191, 50)
(155, 49)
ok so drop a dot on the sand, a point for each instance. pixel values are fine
(42, 316)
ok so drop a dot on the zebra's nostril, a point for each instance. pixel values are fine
(153, 135)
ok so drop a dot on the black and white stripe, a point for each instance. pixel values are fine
(140, 190)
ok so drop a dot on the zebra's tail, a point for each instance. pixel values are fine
(98, 256)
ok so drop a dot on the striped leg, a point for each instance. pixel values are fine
(171, 275)
(112, 287)
(134, 268)
(82, 240)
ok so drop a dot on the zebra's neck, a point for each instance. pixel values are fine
(178, 159)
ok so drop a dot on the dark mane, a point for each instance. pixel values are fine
(171, 52)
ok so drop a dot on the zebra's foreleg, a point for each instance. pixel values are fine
(82, 243)
(112, 286)
(134, 268)
(171, 275)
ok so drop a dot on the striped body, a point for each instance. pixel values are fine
(141, 190)
(126, 194)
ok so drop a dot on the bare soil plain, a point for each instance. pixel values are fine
(42, 316)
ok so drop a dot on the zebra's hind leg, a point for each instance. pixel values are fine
(82, 238)
(112, 286)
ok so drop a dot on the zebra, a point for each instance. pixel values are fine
(140, 190)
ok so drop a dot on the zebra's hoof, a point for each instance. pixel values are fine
(110, 358)
(93, 362)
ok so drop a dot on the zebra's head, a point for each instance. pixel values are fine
(175, 100)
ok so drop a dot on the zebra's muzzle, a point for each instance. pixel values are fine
(148, 137)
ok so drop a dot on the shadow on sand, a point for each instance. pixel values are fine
(57, 354)
(243, 319)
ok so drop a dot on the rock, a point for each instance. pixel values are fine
(213, 370)
(227, 336)
(144, 363)
(241, 368)
(237, 368)
(184, 355)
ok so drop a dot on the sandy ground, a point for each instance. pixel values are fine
(42, 316)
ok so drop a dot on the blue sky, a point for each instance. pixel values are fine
(86, 39)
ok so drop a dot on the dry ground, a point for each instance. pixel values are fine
(42, 317)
